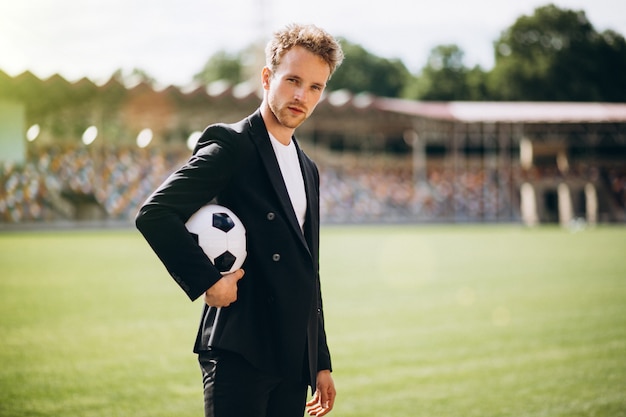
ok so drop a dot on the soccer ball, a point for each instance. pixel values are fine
(221, 235)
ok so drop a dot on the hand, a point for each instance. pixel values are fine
(324, 398)
(224, 292)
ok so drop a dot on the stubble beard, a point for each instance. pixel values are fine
(284, 116)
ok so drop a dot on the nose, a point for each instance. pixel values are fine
(299, 94)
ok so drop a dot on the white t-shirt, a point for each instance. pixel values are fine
(287, 157)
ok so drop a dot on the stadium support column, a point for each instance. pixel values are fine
(528, 196)
(418, 149)
(526, 153)
(591, 200)
(459, 135)
(565, 204)
(419, 157)
(489, 197)
(505, 177)
(528, 205)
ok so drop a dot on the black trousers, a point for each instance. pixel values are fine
(234, 388)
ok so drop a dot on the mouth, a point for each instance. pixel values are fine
(296, 110)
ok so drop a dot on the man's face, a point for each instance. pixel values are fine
(296, 86)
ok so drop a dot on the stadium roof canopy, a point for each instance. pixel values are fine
(500, 112)
(364, 103)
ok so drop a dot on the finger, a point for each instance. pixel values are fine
(313, 411)
(313, 400)
(326, 398)
(313, 406)
(322, 412)
(318, 411)
(239, 274)
(327, 401)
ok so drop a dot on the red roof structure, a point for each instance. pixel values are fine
(507, 112)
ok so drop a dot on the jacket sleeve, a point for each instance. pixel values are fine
(323, 353)
(161, 219)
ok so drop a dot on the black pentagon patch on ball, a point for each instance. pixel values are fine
(225, 261)
(223, 222)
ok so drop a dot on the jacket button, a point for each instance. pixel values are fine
(271, 216)
(276, 257)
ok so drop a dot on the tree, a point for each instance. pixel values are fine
(222, 66)
(611, 75)
(362, 71)
(444, 77)
(136, 76)
(476, 79)
(557, 55)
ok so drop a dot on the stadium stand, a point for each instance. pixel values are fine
(381, 160)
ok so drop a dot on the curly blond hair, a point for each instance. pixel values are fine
(310, 37)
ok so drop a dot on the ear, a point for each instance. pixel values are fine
(266, 75)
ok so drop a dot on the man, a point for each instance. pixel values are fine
(261, 339)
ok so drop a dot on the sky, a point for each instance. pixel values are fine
(171, 40)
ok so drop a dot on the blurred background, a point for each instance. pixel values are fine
(497, 112)
(452, 112)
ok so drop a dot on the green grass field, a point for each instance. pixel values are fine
(430, 321)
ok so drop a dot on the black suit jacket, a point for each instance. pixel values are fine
(277, 321)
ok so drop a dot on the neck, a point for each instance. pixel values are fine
(281, 133)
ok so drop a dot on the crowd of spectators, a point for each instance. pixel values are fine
(23, 191)
(617, 179)
(116, 179)
(391, 192)
(353, 190)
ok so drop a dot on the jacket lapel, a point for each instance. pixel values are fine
(261, 139)
(312, 210)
